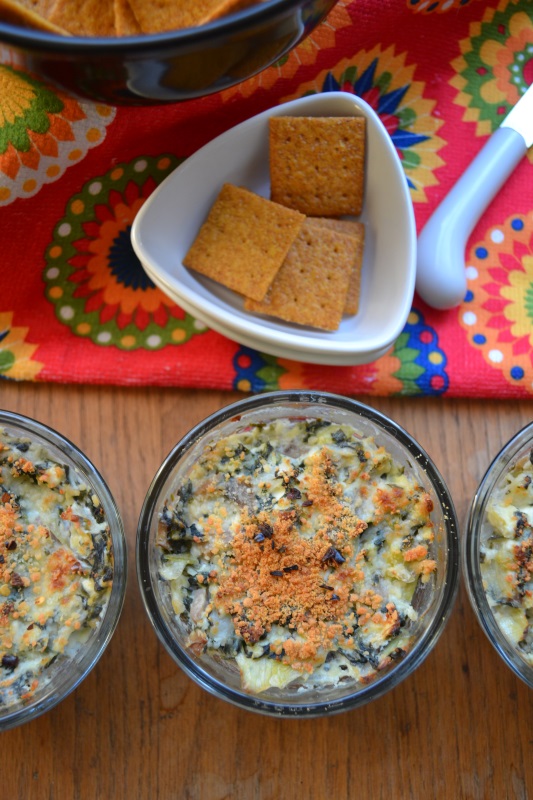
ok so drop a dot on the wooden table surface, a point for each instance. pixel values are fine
(137, 727)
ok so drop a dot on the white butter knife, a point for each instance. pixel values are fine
(440, 266)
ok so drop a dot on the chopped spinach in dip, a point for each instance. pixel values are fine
(294, 547)
(507, 556)
(56, 565)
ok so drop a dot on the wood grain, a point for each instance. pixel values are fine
(137, 727)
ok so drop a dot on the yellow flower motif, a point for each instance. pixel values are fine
(520, 296)
(43, 131)
(16, 97)
(15, 354)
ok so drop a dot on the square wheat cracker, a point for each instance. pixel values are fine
(244, 240)
(317, 164)
(312, 284)
(357, 231)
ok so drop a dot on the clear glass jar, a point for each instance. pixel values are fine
(433, 602)
(66, 671)
(478, 532)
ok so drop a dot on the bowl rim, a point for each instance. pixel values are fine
(106, 629)
(470, 553)
(378, 687)
(146, 43)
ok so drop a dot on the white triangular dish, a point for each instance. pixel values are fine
(169, 220)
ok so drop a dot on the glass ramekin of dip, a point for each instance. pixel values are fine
(297, 553)
(62, 568)
(498, 553)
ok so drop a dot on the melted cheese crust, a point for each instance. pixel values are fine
(56, 565)
(506, 550)
(294, 548)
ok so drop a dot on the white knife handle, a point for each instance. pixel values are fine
(440, 268)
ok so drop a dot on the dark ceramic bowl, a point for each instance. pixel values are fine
(168, 67)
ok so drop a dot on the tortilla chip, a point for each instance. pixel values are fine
(84, 17)
(116, 17)
(164, 15)
(244, 240)
(40, 7)
(357, 231)
(317, 164)
(312, 284)
(31, 14)
(125, 20)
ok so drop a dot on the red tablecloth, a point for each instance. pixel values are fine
(75, 304)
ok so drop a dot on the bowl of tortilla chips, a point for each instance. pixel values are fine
(136, 52)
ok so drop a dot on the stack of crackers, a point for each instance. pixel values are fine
(116, 17)
(292, 257)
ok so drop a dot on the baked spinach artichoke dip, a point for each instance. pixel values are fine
(56, 565)
(506, 553)
(293, 548)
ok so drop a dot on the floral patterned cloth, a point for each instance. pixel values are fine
(75, 304)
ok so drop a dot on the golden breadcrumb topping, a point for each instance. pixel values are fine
(56, 564)
(299, 543)
(507, 556)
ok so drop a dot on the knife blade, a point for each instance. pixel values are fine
(440, 267)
